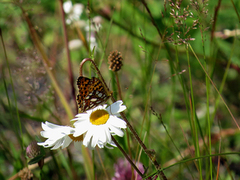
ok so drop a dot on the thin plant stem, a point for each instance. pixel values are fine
(81, 36)
(215, 88)
(88, 163)
(200, 157)
(224, 77)
(73, 170)
(152, 158)
(191, 149)
(120, 96)
(159, 116)
(14, 94)
(149, 154)
(219, 157)
(102, 164)
(215, 18)
(70, 71)
(209, 123)
(118, 85)
(193, 117)
(236, 11)
(151, 17)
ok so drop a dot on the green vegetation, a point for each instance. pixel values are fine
(179, 81)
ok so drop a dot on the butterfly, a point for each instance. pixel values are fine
(91, 93)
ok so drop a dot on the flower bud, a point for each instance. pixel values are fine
(33, 150)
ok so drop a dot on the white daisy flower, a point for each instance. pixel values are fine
(58, 136)
(99, 124)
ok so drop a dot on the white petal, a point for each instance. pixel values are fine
(81, 117)
(57, 135)
(57, 145)
(54, 127)
(96, 136)
(48, 126)
(66, 142)
(100, 145)
(48, 143)
(66, 130)
(51, 134)
(109, 138)
(97, 108)
(81, 114)
(112, 144)
(82, 123)
(81, 129)
(116, 107)
(87, 138)
(94, 141)
(116, 131)
(41, 143)
(117, 122)
(51, 125)
(104, 106)
(105, 135)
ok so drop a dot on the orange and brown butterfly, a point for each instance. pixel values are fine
(91, 93)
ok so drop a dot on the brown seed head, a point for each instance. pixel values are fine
(115, 61)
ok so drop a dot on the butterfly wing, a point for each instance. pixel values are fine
(83, 84)
(91, 93)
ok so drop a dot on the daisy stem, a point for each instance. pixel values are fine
(128, 158)
(148, 152)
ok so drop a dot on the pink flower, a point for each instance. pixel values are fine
(123, 170)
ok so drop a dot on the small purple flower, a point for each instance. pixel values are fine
(123, 170)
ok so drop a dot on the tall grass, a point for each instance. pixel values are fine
(180, 82)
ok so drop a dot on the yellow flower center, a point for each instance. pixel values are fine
(76, 139)
(99, 117)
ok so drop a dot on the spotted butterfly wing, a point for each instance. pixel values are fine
(91, 93)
